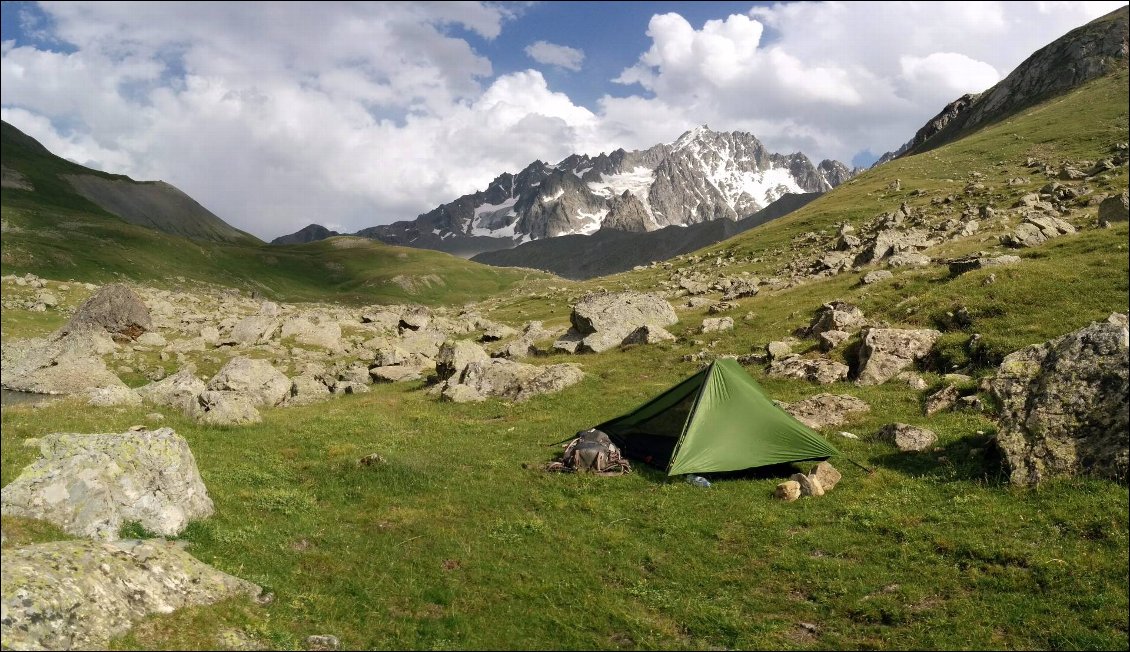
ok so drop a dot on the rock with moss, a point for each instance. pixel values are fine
(67, 595)
(90, 485)
(1064, 405)
(887, 351)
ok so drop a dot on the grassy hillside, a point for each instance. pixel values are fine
(460, 541)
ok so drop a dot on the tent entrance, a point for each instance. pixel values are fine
(652, 432)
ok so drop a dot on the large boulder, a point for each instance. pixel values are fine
(887, 351)
(77, 595)
(255, 380)
(1064, 405)
(516, 381)
(176, 391)
(1115, 209)
(90, 485)
(825, 410)
(604, 320)
(454, 356)
(60, 364)
(116, 309)
(218, 408)
(325, 333)
(307, 389)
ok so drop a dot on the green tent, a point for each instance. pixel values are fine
(717, 420)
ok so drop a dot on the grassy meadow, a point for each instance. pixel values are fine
(459, 540)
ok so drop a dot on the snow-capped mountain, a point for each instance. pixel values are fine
(704, 175)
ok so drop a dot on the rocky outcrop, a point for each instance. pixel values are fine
(90, 485)
(515, 381)
(887, 351)
(68, 595)
(454, 357)
(1036, 230)
(309, 233)
(825, 410)
(836, 316)
(1115, 209)
(1064, 405)
(114, 308)
(60, 364)
(603, 321)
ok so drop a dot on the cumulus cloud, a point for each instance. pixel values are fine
(551, 54)
(387, 112)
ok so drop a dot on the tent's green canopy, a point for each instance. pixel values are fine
(717, 420)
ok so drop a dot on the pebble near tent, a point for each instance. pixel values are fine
(717, 420)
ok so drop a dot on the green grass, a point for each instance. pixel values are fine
(460, 540)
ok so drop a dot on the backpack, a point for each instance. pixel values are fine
(592, 451)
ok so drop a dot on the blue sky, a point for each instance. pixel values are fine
(276, 115)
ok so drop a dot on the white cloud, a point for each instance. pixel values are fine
(552, 54)
(386, 113)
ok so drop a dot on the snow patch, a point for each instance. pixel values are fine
(491, 219)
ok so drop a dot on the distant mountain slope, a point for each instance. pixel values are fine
(609, 251)
(309, 233)
(1083, 54)
(30, 168)
(702, 176)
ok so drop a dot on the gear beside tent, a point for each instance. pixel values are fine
(717, 420)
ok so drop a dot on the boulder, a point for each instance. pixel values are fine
(454, 357)
(252, 330)
(1035, 230)
(151, 339)
(809, 485)
(176, 391)
(494, 332)
(788, 491)
(461, 394)
(831, 339)
(90, 485)
(569, 342)
(415, 319)
(908, 438)
(113, 396)
(349, 387)
(306, 389)
(396, 373)
(116, 309)
(874, 277)
(1114, 209)
(959, 266)
(717, 324)
(836, 316)
(255, 380)
(516, 381)
(1063, 405)
(60, 364)
(778, 350)
(325, 334)
(909, 259)
(740, 288)
(817, 370)
(66, 595)
(825, 410)
(648, 334)
(604, 320)
(943, 399)
(355, 373)
(218, 408)
(827, 475)
(522, 347)
(887, 351)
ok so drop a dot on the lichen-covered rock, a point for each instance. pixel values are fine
(908, 438)
(307, 389)
(825, 409)
(831, 339)
(116, 309)
(254, 380)
(89, 485)
(816, 370)
(176, 391)
(113, 396)
(60, 364)
(943, 399)
(887, 351)
(649, 334)
(1064, 405)
(67, 595)
(252, 330)
(325, 334)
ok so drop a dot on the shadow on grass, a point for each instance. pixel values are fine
(971, 459)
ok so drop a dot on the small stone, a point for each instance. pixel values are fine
(809, 486)
(372, 459)
(322, 642)
(788, 491)
(847, 435)
(827, 475)
(908, 438)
